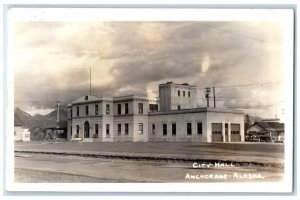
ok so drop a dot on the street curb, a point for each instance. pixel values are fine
(161, 157)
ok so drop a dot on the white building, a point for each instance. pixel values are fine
(175, 117)
(20, 133)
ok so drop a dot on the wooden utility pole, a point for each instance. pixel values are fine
(57, 118)
(207, 91)
(90, 81)
(214, 96)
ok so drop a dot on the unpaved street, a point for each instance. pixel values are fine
(60, 169)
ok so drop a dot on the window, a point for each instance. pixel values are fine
(77, 129)
(199, 128)
(165, 130)
(173, 129)
(107, 129)
(184, 93)
(140, 128)
(189, 94)
(126, 108)
(71, 130)
(96, 129)
(153, 107)
(119, 129)
(119, 109)
(178, 107)
(126, 129)
(108, 109)
(96, 109)
(86, 110)
(71, 113)
(153, 129)
(77, 111)
(189, 128)
(179, 93)
(141, 110)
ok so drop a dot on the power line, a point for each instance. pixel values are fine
(240, 34)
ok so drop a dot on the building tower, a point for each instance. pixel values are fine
(173, 96)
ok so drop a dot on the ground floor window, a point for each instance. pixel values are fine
(126, 129)
(216, 128)
(189, 128)
(86, 129)
(173, 129)
(153, 129)
(77, 129)
(165, 130)
(199, 128)
(96, 129)
(107, 129)
(140, 128)
(119, 129)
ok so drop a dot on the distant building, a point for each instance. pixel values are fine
(274, 130)
(20, 132)
(174, 117)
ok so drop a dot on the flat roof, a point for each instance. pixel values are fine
(196, 110)
(181, 84)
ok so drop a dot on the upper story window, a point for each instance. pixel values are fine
(119, 109)
(71, 113)
(153, 107)
(86, 110)
(77, 111)
(184, 93)
(107, 109)
(141, 110)
(96, 109)
(189, 94)
(126, 108)
(178, 93)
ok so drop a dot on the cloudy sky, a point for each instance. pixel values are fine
(243, 60)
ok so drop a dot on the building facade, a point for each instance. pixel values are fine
(272, 130)
(174, 117)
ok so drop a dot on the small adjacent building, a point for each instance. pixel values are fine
(173, 117)
(20, 132)
(274, 131)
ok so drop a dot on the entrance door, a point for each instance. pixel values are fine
(86, 130)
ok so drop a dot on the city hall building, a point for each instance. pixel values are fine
(174, 117)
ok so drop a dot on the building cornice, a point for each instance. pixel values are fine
(195, 110)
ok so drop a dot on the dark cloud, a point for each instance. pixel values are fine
(134, 57)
